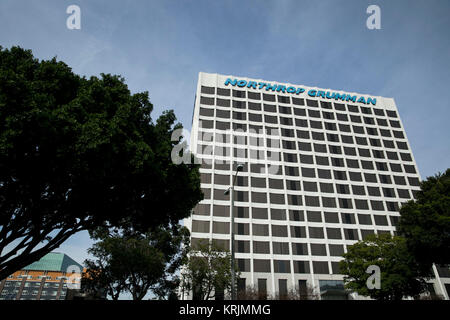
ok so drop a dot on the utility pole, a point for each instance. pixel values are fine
(230, 191)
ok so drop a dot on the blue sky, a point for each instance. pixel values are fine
(160, 46)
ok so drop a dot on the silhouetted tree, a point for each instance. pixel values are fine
(425, 222)
(400, 274)
(77, 153)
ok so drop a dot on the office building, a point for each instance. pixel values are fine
(322, 169)
(46, 279)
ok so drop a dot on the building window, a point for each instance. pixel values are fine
(223, 92)
(301, 267)
(206, 100)
(365, 233)
(221, 227)
(314, 216)
(316, 232)
(260, 230)
(281, 266)
(278, 214)
(207, 90)
(243, 265)
(261, 247)
(299, 249)
(259, 213)
(202, 209)
(262, 289)
(280, 247)
(296, 215)
(310, 186)
(298, 232)
(334, 233)
(282, 288)
(221, 211)
(197, 226)
(254, 95)
(242, 228)
(223, 103)
(260, 265)
(241, 286)
(385, 133)
(259, 197)
(279, 231)
(348, 218)
(268, 97)
(239, 104)
(206, 112)
(318, 249)
(320, 267)
(355, 176)
(398, 134)
(361, 204)
(328, 202)
(339, 175)
(293, 185)
(298, 101)
(380, 220)
(351, 234)
(312, 201)
(377, 205)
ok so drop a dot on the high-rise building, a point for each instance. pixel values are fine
(46, 279)
(322, 169)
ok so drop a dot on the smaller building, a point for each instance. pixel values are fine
(46, 279)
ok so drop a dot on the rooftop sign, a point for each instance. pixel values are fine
(294, 90)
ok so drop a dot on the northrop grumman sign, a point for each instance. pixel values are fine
(297, 91)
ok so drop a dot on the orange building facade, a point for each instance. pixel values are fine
(46, 279)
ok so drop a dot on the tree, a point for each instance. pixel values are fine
(425, 222)
(137, 263)
(400, 274)
(76, 153)
(207, 270)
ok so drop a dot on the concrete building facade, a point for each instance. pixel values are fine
(322, 169)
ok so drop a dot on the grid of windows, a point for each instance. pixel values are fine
(318, 175)
(32, 290)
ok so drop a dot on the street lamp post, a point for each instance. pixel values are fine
(230, 191)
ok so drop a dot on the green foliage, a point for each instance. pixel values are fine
(207, 268)
(399, 270)
(425, 222)
(137, 263)
(78, 153)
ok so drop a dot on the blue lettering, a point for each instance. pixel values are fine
(272, 87)
(321, 94)
(262, 85)
(350, 98)
(372, 101)
(330, 96)
(312, 93)
(242, 83)
(251, 84)
(339, 96)
(229, 81)
(281, 88)
(290, 90)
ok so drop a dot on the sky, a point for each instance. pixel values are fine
(160, 46)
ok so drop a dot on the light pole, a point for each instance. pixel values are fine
(233, 280)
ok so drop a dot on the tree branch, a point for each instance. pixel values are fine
(22, 261)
